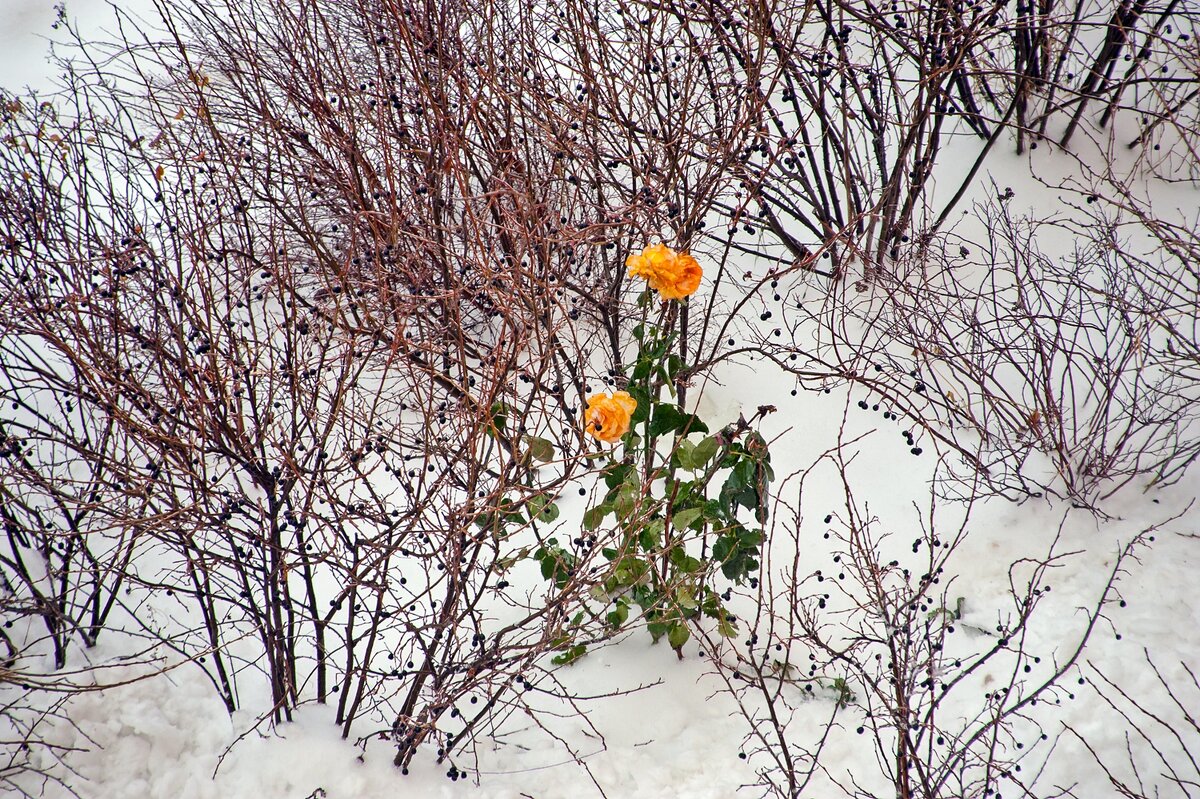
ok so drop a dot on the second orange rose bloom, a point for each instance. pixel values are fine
(607, 417)
(673, 275)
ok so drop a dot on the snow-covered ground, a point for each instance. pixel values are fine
(680, 734)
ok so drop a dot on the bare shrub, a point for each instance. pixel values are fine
(302, 298)
(1159, 745)
(947, 700)
(1044, 371)
(291, 352)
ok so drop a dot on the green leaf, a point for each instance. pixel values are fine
(739, 567)
(569, 655)
(667, 418)
(629, 571)
(594, 517)
(541, 507)
(540, 449)
(683, 561)
(684, 519)
(704, 451)
(627, 498)
(642, 412)
(498, 414)
(616, 474)
(618, 615)
(556, 563)
(651, 535)
(737, 552)
(756, 446)
(663, 377)
(749, 539)
(506, 563)
(712, 606)
(743, 474)
(740, 488)
(678, 635)
(845, 695)
(641, 371)
(684, 454)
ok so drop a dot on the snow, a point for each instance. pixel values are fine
(681, 735)
(675, 729)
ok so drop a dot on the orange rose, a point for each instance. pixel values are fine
(607, 417)
(673, 275)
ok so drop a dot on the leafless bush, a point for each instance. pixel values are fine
(1046, 356)
(945, 698)
(292, 333)
(33, 759)
(302, 299)
(986, 338)
(859, 102)
(1160, 746)
(1047, 372)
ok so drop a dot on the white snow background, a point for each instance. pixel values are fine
(170, 737)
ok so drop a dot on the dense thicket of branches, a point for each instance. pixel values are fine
(301, 300)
